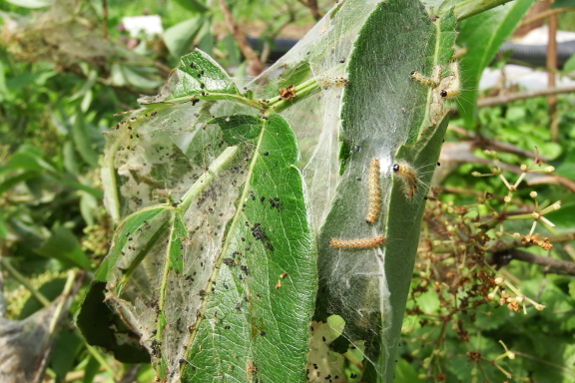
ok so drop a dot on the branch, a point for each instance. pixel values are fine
(312, 5)
(492, 144)
(504, 257)
(544, 15)
(105, 19)
(255, 66)
(491, 101)
(507, 247)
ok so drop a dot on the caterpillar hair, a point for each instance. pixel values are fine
(408, 176)
(450, 86)
(373, 191)
(361, 243)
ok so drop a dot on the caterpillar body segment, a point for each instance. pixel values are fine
(433, 82)
(409, 177)
(361, 243)
(373, 191)
(443, 88)
(450, 86)
(327, 82)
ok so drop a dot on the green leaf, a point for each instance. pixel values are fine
(63, 246)
(101, 326)
(3, 229)
(482, 35)
(104, 328)
(83, 141)
(255, 313)
(34, 4)
(50, 290)
(90, 370)
(368, 287)
(10, 182)
(179, 37)
(569, 65)
(562, 4)
(88, 208)
(70, 159)
(28, 158)
(5, 93)
(135, 77)
(64, 353)
(239, 128)
(145, 226)
(192, 6)
(562, 218)
(197, 76)
(404, 372)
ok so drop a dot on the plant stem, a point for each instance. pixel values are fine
(468, 8)
(491, 101)
(544, 15)
(20, 278)
(303, 91)
(215, 168)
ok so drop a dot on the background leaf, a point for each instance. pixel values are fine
(63, 246)
(482, 35)
(179, 38)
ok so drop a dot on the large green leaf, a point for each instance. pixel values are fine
(482, 35)
(255, 321)
(383, 111)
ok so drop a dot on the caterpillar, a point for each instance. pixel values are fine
(443, 88)
(408, 176)
(328, 81)
(433, 82)
(450, 86)
(373, 191)
(361, 243)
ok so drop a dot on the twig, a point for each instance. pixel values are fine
(507, 246)
(504, 257)
(491, 101)
(24, 282)
(551, 62)
(105, 19)
(544, 15)
(521, 255)
(255, 66)
(313, 7)
(499, 146)
(162, 67)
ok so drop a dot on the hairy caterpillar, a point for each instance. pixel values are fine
(443, 88)
(408, 176)
(450, 86)
(329, 81)
(361, 243)
(433, 81)
(373, 191)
